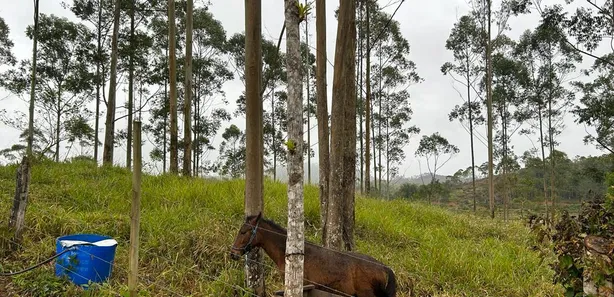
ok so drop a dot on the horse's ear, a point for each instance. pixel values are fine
(259, 216)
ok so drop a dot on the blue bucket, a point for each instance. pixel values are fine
(84, 263)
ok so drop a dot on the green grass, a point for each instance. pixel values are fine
(187, 226)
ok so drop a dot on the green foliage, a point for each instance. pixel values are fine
(597, 105)
(64, 82)
(232, 153)
(6, 45)
(188, 225)
(433, 147)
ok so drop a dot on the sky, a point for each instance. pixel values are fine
(425, 24)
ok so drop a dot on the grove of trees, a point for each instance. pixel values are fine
(174, 58)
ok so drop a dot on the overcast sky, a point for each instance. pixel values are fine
(425, 24)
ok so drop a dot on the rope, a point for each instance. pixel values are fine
(7, 274)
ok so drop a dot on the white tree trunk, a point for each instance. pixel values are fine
(295, 242)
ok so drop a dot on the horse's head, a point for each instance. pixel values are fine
(244, 241)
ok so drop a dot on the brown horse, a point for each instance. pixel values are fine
(343, 273)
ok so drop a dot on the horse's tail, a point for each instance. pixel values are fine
(391, 286)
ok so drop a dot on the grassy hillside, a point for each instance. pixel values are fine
(188, 226)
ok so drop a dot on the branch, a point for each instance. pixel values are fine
(266, 82)
(589, 54)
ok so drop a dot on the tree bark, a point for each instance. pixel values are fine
(343, 152)
(308, 104)
(187, 126)
(109, 137)
(172, 65)
(322, 115)
(360, 101)
(98, 81)
(33, 83)
(295, 241)
(368, 109)
(254, 170)
(130, 90)
(165, 124)
(379, 125)
(135, 211)
(58, 123)
(543, 144)
(349, 167)
(471, 136)
(491, 183)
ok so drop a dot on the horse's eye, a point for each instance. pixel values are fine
(244, 231)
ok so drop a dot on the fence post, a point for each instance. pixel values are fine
(20, 201)
(135, 210)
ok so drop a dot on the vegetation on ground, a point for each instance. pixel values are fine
(188, 226)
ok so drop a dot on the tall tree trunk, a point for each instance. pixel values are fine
(196, 144)
(322, 116)
(491, 180)
(543, 144)
(187, 113)
(307, 78)
(551, 140)
(295, 242)
(368, 108)
(552, 160)
(349, 166)
(360, 102)
(343, 98)
(98, 81)
(273, 138)
(471, 137)
(33, 83)
(254, 181)
(109, 137)
(20, 200)
(172, 65)
(379, 126)
(387, 151)
(164, 139)
(58, 123)
(130, 90)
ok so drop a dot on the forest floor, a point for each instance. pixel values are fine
(188, 225)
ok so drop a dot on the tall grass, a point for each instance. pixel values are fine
(187, 227)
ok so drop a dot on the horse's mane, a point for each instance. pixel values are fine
(276, 228)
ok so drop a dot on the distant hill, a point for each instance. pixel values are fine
(282, 175)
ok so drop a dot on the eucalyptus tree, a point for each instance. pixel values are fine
(466, 44)
(6, 45)
(64, 82)
(254, 167)
(295, 13)
(272, 93)
(486, 16)
(109, 134)
(510, 79)
(322, 115)
(211, 71)
(98, 13)
(433, 148)
(597, 105)
(550, 61)
(340, 221)
(391, 74)
(586, 30)
(232, 153)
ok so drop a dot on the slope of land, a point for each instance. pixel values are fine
(188, 226)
